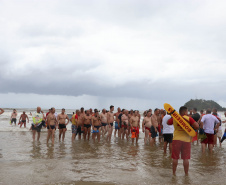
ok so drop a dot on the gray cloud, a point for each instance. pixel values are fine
(125, 50)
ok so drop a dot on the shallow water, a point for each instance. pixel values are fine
(119, 162)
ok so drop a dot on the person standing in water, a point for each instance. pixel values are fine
(110, 120)
(96, 125)
(87, 124)
(23, 118)
(181, 140)
(208, 122)
(51, 125)
(167, 133)
(61, 119)
(37, 123)
(135, 126)
(13, 116)
(2, 111)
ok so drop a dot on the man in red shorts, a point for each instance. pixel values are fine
(135, 126)
(208, 122)
(181, 140)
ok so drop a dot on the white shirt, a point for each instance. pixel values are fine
(167, 129)
(219, 116)
(208, 123)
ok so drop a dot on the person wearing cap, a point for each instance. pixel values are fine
(61, 119)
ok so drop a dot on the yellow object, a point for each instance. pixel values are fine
(177, 117)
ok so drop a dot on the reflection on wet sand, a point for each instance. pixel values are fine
(83, 162)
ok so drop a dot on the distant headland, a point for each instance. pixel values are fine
(201, 104)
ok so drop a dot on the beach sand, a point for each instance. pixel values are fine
(119, 162)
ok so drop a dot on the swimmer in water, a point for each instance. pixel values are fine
(22, 119)
(61, 119)
(2, 111)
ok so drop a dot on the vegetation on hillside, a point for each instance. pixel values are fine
(201, 104)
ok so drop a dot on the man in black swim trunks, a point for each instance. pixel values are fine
(61, 119)
(23, 118)
(87, 124)
(51, 125)
(103, 118)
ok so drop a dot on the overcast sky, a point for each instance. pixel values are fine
(132, 54)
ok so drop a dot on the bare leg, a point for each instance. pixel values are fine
(73, 137)
(165, 147)
(219, 140)
(48, 136)
(170, 147)
(64, 130)
(38, 136)
(60, 132)
(89, 129)
(210, 147)
(203, 148)
(98, 135)
(33, 134)
(53, 136)
(186, 166)
(175, 162)
(137, 138)
(85, 132)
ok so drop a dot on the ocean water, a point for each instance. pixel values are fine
(84, 162)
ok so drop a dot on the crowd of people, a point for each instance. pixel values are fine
(126, 124)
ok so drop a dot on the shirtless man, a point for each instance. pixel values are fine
(135, 126)
(130, 115)
(160, 127)
(61, 119)
(103, 118)
(37, 123)
(91, 112)
(2, 111)
(96, 125)
(87, 124)
(23, 118)
(82, 112)
(154, 120)
(51, 125)
(13, 116)
(110, 120)
(117, 123)
(147, 128)
(125, 124)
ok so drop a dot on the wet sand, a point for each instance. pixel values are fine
(119, 162)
